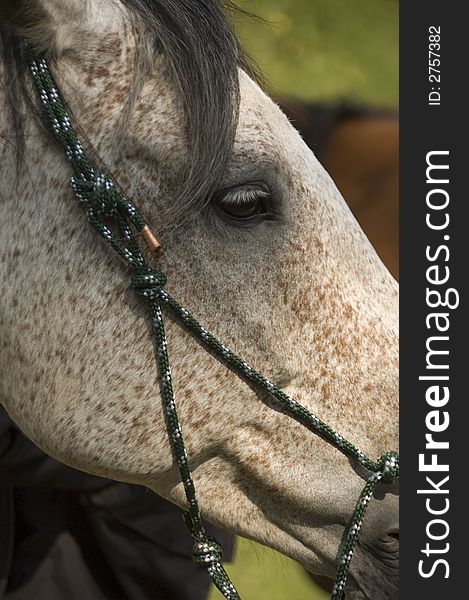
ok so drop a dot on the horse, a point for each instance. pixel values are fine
(258, 242)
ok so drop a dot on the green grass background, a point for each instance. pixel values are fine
(314, 49)
(326, 48)
(260, 573)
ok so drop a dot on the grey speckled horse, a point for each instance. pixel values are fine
(259, 245)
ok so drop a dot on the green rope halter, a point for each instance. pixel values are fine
(101, 199)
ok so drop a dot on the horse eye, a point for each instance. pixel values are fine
(245, 203)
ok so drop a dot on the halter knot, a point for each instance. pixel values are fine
(389, 466)
(207, 551)
(97, 192)
(148, 282)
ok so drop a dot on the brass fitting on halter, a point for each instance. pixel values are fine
(153, 244)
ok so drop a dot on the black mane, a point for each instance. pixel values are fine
(203, 54)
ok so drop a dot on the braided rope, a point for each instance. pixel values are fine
(101, 199)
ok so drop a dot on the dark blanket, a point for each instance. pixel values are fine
(67, 535)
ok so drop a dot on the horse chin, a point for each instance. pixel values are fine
(353, 591)
(365, 590)
(356, 595)
(380, 589)
(360, 594)
(324, 583)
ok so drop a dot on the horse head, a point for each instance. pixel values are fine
(259, 244)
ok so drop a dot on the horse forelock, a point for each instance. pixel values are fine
(203, 56)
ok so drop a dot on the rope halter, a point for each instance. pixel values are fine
(102, 198)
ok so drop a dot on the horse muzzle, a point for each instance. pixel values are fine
(376, 577)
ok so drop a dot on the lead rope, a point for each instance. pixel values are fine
(102, 199)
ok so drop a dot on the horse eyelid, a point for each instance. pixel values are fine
(242, 193)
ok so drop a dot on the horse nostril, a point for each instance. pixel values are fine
(389, 544)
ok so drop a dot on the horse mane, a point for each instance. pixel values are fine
(203, 54)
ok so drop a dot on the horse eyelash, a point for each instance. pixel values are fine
(245, 195)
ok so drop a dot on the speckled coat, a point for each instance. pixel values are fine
(304, 298)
